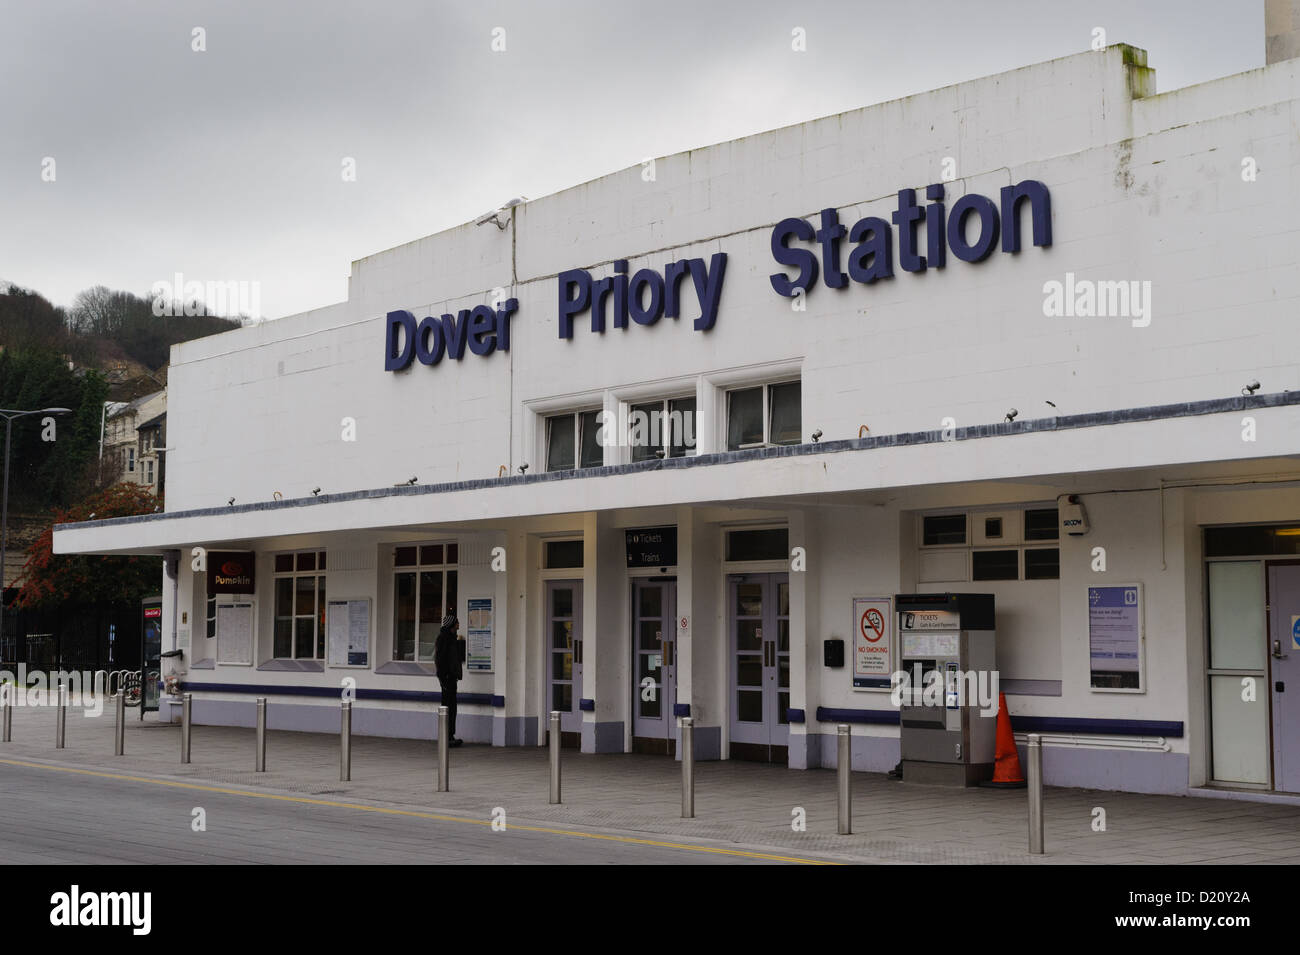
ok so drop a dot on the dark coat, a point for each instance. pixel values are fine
(446, 655)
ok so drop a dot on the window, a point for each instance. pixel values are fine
(940, 529)
(300, 606)
(768, 544)
(569, 432)
(995, 565)
(424, 591)
(563, 554)
(1042, 563)
(1008, 562)
(130, 460)
(766, 415)
(148, 471)
(648, 424)
(1042, 524)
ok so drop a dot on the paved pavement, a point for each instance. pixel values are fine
(613, 804)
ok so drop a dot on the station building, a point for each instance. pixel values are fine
(660, 438)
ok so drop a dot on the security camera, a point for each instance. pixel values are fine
(1011, 415)
(1074, 519)
(1251, 388)
(817, 435)
(523, 468)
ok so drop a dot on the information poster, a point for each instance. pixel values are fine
(1115, 637)
(873, 625)
(347, 632)
(478, 635)
(235, 632)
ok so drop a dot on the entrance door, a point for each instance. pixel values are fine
(654, 646)
(1284, 660)
(759, 611)
(564, 657)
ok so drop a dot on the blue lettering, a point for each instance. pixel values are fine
(395, 360)
(454, 334)
(983, 207)
(429, 355)
(805, 260)
(482, 330)
(572, 279)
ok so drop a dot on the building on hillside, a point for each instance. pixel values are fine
(659, 443)
(120, 456)
(152, 452)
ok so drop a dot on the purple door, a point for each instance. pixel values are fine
(1284, 660)
(759, 621)
(564, 656)
(654, 649)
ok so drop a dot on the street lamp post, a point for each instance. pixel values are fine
(9, 415)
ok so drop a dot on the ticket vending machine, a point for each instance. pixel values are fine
(946, 644)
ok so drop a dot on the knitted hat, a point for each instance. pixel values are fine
(449, 620)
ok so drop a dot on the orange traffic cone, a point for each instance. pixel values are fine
(1006, 770)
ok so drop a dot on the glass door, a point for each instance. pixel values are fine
(564, 656)
(759, 610)
(1284, 677)
(654, 646)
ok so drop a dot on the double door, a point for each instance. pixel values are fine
(654, 651)
(759, 624)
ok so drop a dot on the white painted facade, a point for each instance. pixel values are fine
(1193, 191)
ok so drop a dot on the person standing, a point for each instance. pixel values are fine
(446, 662)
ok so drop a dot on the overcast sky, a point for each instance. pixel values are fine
(226, 164)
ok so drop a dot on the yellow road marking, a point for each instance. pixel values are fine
(418, 815)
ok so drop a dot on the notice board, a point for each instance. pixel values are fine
(235, 621)
(1115, 651)
(347, 632)
(478, 635)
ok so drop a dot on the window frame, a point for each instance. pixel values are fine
(971, 548)
(665, 410)
(576, 419)
(320, 591)
(766, 389)
(417, 569)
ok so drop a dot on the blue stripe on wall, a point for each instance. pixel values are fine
(333, 692)
(1026, 724)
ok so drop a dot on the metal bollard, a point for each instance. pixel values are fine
(119, 724)
(345, 743)
(61, 718)
(259, 764)
(1035, 793)
(444, 750)
(688, 767)
(843, 771)
(187, 725)
(7, 731)
(555, 756)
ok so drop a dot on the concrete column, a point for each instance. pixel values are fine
(606, 650)
(805, 640)
(515, 724)
(701, 670)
